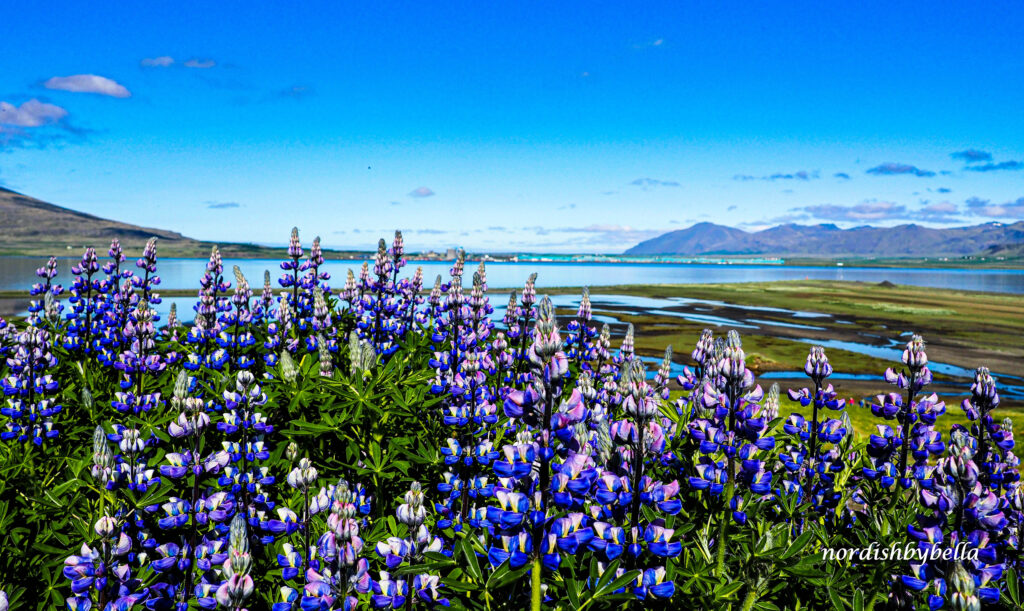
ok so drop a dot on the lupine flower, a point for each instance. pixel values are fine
(238, 585)
(29, 410)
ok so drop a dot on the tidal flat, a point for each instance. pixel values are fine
(864, 327)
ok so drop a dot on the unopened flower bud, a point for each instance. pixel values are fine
(288, 370)
(238, 535)
(704, 349)
(412, 512)
(914, 356)
(817, 367)
(326, 362)
(771, 403)
(733, 362)
(584, 311)
(628, 343)
(105, 527)
(963, 597)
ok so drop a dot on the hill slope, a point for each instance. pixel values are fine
(34, 227)
(831, 241)
(31, 225)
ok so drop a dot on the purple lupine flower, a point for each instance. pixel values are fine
(579, 340)
(238, 585)
(339, 573)
(45, 288)
(906, 410)
(85, 319)
(235, 336)
(812, 466)
(30, 411)
(956, 509)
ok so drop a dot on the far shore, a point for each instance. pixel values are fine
(233, 251)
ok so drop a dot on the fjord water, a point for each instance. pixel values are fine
(18, 273)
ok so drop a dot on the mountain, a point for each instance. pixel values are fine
(830, 241)
(31, 224)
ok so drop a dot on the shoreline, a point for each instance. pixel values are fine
(770, 261)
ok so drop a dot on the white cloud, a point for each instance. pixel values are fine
(32, 113)
(200, 63)
(422, 192)
(652, 43)
(157, 62)
(598, 234)
(88, 83)
(984, 207)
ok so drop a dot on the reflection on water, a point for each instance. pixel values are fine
(18, 273)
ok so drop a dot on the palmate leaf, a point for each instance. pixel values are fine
(1012, 588)
(619, 582)
(472, 568)
(798, 545)
(726, 591)
(503, 576)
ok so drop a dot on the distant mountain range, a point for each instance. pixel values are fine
(828, 240)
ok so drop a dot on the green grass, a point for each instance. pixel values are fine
(962, 328)
(864, 422)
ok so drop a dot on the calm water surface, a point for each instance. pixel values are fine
(19, 273)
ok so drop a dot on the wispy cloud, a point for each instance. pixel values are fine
(163, 61)
(868, 211)
(798, 175)
(865, 211)
(222, 205)
(35, 124)
(993, 167)
(784, 219)
(938, 212)
(601, 234)
(984, 207)
(296, 92)
(943, 190)
(657, 42)
(32, 113)
(200, 63)
(88, 83)
(895, 169)
(422, 192)
(972, 156)
(650, 183)
(166, 61)
(842, 175)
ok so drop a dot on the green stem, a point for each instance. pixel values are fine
(723, 527)
(749, 600)
(535, 596)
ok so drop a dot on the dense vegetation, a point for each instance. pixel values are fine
(385, 446)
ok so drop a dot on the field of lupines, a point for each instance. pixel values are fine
(381, 444)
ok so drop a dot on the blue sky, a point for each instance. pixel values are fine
(528, 126)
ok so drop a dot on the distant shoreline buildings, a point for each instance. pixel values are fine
(451, 253)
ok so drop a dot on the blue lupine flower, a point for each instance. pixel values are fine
(29, 412)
